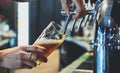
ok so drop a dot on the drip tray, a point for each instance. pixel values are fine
(86, 66)
(82, 71)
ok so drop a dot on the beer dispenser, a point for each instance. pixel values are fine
(107, 38)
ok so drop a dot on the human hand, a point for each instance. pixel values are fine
(79, 8)
(22, 57)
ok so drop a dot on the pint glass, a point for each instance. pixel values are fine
(51, 38)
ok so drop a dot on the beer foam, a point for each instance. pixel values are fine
(47, 41)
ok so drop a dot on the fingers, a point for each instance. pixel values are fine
(80, 9)
(29, 60)
(38, 57)
(28, 64)
(34, 48)
(66, 9)
(65, 6)
(79, 13)
(33, 56)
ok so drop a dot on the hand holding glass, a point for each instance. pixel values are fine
(51, 38)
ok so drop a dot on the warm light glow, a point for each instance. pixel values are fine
(23, 23)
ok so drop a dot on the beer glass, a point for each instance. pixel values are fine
(51, 38)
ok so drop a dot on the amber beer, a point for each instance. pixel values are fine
(49, 44)
(51, 38)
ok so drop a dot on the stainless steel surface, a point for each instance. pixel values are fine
(82, 71)
(106, 41)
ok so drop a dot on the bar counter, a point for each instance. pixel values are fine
(84, 64)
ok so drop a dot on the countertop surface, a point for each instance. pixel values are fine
(84, 64)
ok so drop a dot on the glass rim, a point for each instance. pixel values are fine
(54, 23)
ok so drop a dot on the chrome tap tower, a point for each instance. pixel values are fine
(106, 43)
(107, 38)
